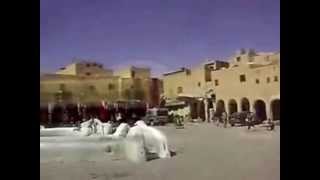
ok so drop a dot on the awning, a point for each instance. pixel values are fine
(175, 103)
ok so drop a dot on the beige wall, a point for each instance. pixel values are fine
(138, 72)
(86, 69)
(230, 86)
(263, 66)
(110, 88)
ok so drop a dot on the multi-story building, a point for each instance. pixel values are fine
(248, 81)
(89, 82)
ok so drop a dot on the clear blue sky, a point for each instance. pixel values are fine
(163, 34)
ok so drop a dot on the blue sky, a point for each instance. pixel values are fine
(161, 34)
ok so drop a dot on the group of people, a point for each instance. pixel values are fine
(94, 125)
(140, 139)
(250, 120)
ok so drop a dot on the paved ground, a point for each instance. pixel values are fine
(204, 152)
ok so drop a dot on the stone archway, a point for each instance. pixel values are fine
(245, 104)
(232, 106)
(260, 110)
(275, 109)
(220, 107)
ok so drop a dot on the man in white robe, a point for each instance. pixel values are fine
(144, 140)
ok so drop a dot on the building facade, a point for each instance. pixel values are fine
(88, 82)
(248, 81)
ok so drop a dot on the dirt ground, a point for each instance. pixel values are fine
(203, 152)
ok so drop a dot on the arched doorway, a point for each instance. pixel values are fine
(275, 109)
(233, 107)
(245, 105)
(220, 107)
(260, 110)
(201, 110)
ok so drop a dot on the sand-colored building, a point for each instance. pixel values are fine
(90, 82)
(247, 81)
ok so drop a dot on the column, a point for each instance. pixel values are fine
(268, 110)
(206, 109)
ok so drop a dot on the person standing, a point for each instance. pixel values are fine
(250, 119)
(225, 119)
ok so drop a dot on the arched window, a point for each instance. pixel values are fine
(180, 90)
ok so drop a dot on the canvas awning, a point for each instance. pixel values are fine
(175, 103)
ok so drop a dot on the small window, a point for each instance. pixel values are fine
(111, 86)
(92, 88)
(216, 82)
(276, 79)
(199, 84)
(100, 66)
(62, 87)
(180, 90)
(257, 81)
(88, 74)
(268, 79)
(238, 59)
(88, 65)
(133, 74)
(242, 78)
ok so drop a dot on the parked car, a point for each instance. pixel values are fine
(238, 118)
(156, 116)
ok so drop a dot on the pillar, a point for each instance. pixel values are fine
(206, 110)
(268, 110)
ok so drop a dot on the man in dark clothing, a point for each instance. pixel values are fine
(250, 119)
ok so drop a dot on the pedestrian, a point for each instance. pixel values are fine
(249, 120)
(218, 119)
(271, 125)
(225, 119)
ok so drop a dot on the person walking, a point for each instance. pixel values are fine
(225, 119)
(250, 119)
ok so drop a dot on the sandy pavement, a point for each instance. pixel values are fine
(204, 152)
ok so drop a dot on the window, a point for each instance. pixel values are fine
(62, 87)
(238, 59)
(257, 81)
(216, 82)
(111, 86)
(88, 65)
(276, 79)
(268, 79)
(199, 84)
(88, 74)
(133, 74)
(92, 88)
(180, 90)
(242, 78)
